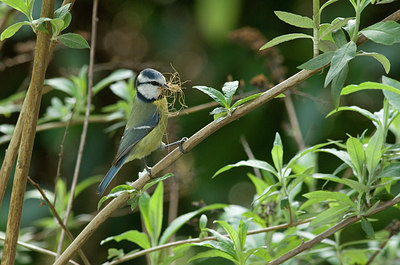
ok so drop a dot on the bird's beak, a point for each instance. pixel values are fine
(166, 86)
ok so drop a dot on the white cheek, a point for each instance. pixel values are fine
(149, 91)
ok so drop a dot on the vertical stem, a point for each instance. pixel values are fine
(85, 124)
(316, 18)
(357, 26)
(28, 126)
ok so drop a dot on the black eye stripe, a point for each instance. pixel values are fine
(154, 83)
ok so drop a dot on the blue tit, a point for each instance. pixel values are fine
(146, 125)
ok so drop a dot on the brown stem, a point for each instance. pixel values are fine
(250, 154)
(28, 124)
(294, 123)
(55, 214)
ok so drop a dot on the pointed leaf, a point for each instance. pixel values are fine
(11, 30)
(368, 85)
(387, 33)
(74, 41)
(284, 38)
(133, 236)
(244, 100)
(355, 185)
(363, 112)
(337, 84)
(393, 98)
(373, 151)
(295, 20)
(379, 57)
(337, 24)
(330, 216)
(229, 89)
(277, 153)
(357, 154)
(214, 94)
(367, 227)
(249, 163)
(19, 5)
(317, 62)
(62, 11)
(340, 59)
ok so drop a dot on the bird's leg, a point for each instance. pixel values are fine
(179, 143)
(148, 169)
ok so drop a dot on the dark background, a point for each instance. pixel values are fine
(195, 37)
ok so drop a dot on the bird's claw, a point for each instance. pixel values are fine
(184, 139)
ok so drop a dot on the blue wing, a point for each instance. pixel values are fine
(130, 138)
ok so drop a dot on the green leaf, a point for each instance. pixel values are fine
(244, 100)
(317, 62)
(387, 33)
(314, 148)
(214, 94)
(62, 11)
(363, 112)
(393, 98)
(233, 234)
(74, 41)
(357, 154)
(115, 192)
(259, 184)
(57, 25)
(330, 216)
(156, 211)
(337, 85)
(336, 24)
(115, 76)
(373, 151)
(295, 20)
(133, 236)
(19, 5)
(120, 88)
(183, 219)
(367, 227)
(379, 57)
(355, 185)
(11, 30)
(339, 38)
(284, 38)
(340, 59)
(249, 163)
(368, 85)
(212, 254)
(329, 196)
(67, 20)
(229, 89)
(203, 221)
(327, 3)
(277, 153)
(354, 256)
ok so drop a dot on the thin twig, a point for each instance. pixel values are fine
(60, 156)
(197, 240)
(85, 124)
(193, 141)
(28, 131)
(294, 122)
(250, 154)
(55, 214)
(38, 249)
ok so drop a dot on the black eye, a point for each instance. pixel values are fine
(155, 83)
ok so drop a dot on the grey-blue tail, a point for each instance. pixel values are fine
(109, 176)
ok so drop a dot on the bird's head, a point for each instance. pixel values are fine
(150, 85)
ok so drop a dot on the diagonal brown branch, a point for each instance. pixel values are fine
(28, 130)
(55, 214)
(197, 138)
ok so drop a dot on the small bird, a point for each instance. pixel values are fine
(146, 124)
